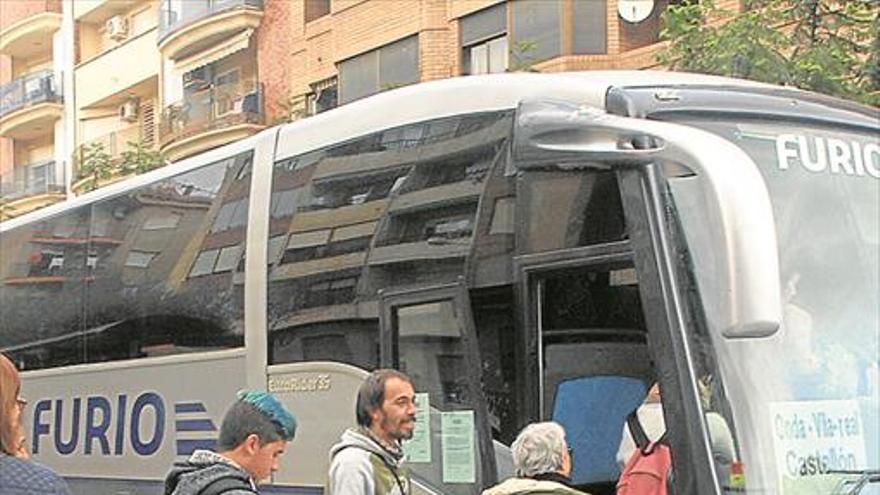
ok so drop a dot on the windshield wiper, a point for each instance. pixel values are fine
(855, 481)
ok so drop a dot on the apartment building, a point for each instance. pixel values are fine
(32, 105)
(87, 86)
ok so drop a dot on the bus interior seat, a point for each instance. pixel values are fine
(590, 388)
(593, 410)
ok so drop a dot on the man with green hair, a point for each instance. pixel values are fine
(253, 436)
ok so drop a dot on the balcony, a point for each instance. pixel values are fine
(31, 37)
(30, 105)
(32, 186)
(211, 118)
(110, 149)
(194, 26)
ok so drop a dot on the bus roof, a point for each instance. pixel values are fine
(472, 94)
(414, 103)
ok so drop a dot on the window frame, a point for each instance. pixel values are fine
(376, 70)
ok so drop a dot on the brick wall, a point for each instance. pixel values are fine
(363, 26)
(436, 42)
(274, 48)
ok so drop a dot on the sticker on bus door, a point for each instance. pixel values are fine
(813, 438)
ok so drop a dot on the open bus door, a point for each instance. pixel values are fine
(568, 375)
(587, 361)
(428, 333)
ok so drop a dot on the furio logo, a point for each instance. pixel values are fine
(100, 414)
(99, 425)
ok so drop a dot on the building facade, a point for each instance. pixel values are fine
(92, 91)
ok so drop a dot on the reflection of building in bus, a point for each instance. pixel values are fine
(115, 268)
(386, 210)
(186, 76)
(520, 250)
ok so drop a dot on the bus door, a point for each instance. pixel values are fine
(587, 361)
(428, 334)
(592, 203)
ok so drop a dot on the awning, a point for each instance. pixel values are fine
(223, 49)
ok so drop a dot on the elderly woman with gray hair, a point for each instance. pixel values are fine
(543, 463)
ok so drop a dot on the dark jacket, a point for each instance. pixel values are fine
(208, 473)
(23, 477)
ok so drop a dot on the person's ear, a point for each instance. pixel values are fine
(252, 443)
(375, 415)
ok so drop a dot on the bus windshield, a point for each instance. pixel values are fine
(803, 403)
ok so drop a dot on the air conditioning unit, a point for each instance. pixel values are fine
(117, 28)
(128, 111)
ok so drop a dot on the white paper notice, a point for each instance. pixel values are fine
(459, 456)
(418, 448)
(811, 438)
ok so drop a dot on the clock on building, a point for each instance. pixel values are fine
(635, 10)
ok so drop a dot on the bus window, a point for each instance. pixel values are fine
(41, 262)
(164, 261)
(393, 208)
(430, 350)
(344, 341)
(569, 210)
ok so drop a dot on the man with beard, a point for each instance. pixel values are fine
(368, 459)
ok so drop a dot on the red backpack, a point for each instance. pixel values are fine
(647, 471)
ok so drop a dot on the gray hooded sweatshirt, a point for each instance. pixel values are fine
(208, 470)
(359, 465)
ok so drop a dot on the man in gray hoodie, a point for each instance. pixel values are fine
(253, 436)
(368, 459)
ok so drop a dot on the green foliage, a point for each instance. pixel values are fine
(95, 163)
(521, 58)
(139, 158)
(829, 46)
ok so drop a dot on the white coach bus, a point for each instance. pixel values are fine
(525, 246)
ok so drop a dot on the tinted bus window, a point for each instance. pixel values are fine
(565, 210)
(389, 209)
(166, 258)
(45, 268)
(145, 273)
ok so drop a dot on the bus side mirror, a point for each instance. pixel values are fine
(736, 263)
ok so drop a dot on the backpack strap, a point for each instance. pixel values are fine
(226, 484)
(637, 432)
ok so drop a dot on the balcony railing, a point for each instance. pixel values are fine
(213, 108)
(29, 90)
(174, 15)
(31, 180)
